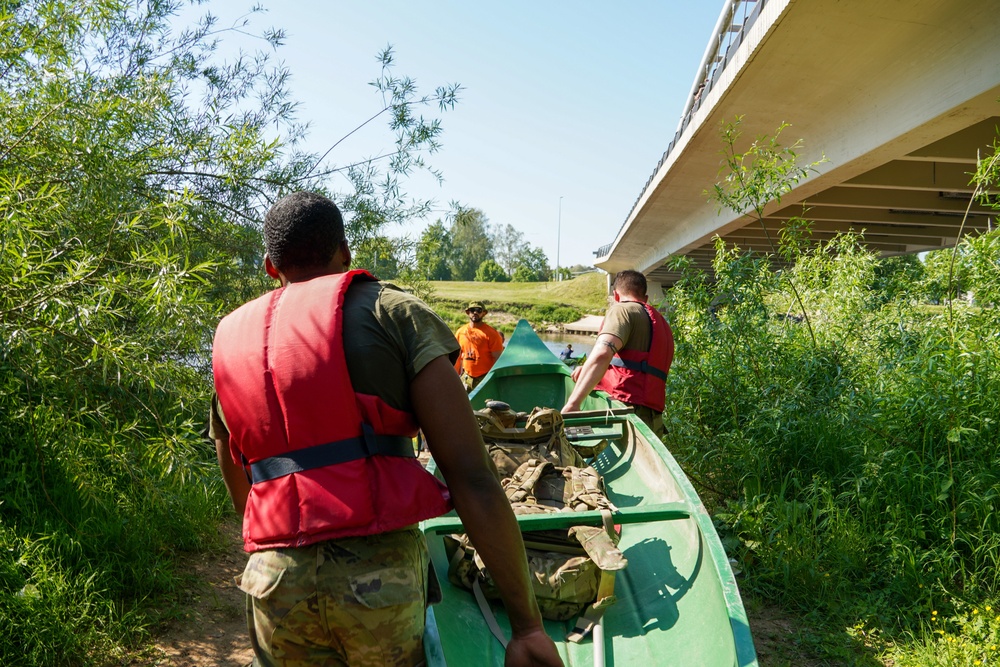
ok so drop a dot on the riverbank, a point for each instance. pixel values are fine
(813, 582)
(542, 304)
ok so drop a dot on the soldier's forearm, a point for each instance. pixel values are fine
(493, 530)
(233, 475)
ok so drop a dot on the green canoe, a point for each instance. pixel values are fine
(678, 603)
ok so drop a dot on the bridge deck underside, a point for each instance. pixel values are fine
(899, 103)
(919, 202)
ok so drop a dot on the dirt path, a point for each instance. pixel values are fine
(212, 631)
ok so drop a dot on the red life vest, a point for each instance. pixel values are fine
(327, 462)
(640, 378)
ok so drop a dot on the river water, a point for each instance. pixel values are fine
(557, 343)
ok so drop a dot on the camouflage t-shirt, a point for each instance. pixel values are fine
(389, 336)
(629, 321)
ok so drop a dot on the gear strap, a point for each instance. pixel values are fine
(606, 587)
(639, 366)
(487, 612)
(331, 453)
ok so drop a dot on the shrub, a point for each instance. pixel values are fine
(845, 435)
(491, 272)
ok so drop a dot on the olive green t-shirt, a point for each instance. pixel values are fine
(629, 321)
(389, 336)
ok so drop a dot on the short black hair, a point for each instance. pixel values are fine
(303, 229)
(630, 282)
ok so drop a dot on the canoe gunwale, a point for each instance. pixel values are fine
(745, 652)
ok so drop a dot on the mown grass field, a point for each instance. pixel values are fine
(539, 303)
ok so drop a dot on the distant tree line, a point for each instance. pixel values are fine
(467, 247)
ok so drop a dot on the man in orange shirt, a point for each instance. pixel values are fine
(480, 345)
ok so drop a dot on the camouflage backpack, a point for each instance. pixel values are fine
(512, 438)
(573, 570)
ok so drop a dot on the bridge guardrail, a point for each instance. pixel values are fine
(726, 40)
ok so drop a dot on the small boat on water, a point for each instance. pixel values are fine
(677, 600)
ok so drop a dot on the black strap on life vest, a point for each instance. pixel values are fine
(642, 366)
(332, 453)
(639, 366)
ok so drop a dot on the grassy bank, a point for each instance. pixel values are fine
(539, 303)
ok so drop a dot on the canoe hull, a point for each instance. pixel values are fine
(678, 603)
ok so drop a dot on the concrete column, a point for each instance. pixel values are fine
(654, 292)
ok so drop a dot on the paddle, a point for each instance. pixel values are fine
(598, 635)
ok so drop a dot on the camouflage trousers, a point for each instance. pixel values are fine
(652, 419)
(355, 601)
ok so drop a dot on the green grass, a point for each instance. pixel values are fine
(967, 637)
(586, 292)
(539, 303)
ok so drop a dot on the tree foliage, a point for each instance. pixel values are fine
(470, 240)
(758, 176)
(471, 249)
(135, 166)
(943, 280)
(507, 245)
(434, 251)
(377, 200)
(491, 272)
(531, 265)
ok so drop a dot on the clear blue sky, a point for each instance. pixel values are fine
(573, 99)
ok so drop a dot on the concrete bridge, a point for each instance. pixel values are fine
(900, 96)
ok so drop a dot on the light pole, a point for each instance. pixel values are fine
(558, 238)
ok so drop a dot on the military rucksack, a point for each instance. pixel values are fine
(512, 438)
(573, 570)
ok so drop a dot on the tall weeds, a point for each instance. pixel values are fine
(845, 430)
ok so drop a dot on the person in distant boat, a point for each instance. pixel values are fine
(481, 345)
(566, 354)
(632, 355)
(321, 385)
